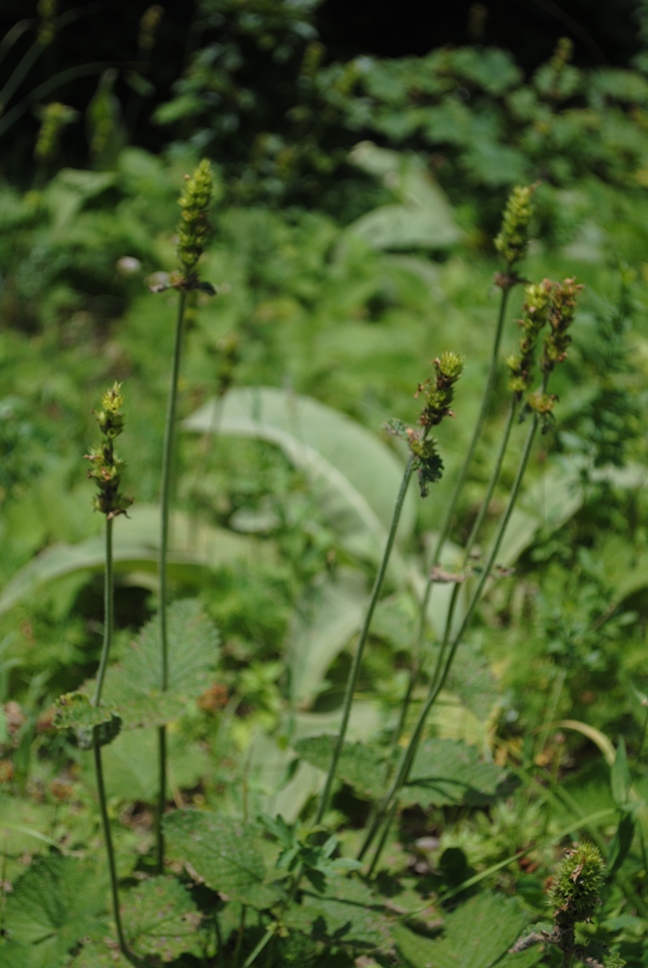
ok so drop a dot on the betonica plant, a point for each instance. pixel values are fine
(193, 234)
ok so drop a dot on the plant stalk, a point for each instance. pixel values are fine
(357, 658)
(165, 502)
(437, 685)
(109, 591)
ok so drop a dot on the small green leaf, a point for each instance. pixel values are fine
(446, 772)
(224, 852)
(74, 711)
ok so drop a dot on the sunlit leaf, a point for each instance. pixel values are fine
(447, 772)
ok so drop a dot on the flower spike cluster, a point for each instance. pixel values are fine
(107, 468)
(437, 392)
(551, 304)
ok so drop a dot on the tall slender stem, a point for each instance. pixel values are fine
(440, 680)
(108, 612)
(357, 658)
(165, 502)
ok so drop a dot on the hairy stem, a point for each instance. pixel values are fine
(165, 502)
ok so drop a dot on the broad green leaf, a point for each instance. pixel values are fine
(360, 766)
(354, 475)
(478, 935)
(161, 920)
(325, 617)
(57, 901)
(130, 765)
(345, 913)
(133, 688)
(224, 852)
(196, 548)
(446, 772)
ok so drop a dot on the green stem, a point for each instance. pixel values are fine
(112, 869)
(357, 658)
(109, 609)
(108, 612)
(437, 686)
(165, 502)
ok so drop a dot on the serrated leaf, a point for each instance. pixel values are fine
(57, 901)
(223, 852)
(74, 711)
(133, 688)
(446, 773)
(361, 766)
(161, 919)
(345, 913)
(478, 934)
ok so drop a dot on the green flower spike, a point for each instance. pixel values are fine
(194, 228)
(513, 238)
(438, 392)
(579, 880)
(561, 316)
(107, 468)
(535, 313)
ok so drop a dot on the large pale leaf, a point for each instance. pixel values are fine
(222, 851)
(354, 475)
(361, 766)
(447, 772)
(478, 934)
(344, 913)
(57, 901)
(133, 689)
(422, 218)
(325, 617)
(196, 547)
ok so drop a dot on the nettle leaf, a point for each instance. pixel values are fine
(223, 852)
(478, 934)
(57, 901)
(361, 766)
(162, 919)
(133, 688)
(447, 772)
(345, 913)
(74, 711)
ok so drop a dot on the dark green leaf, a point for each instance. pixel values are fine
(345, 913)
(362, 767)
(447, 772)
